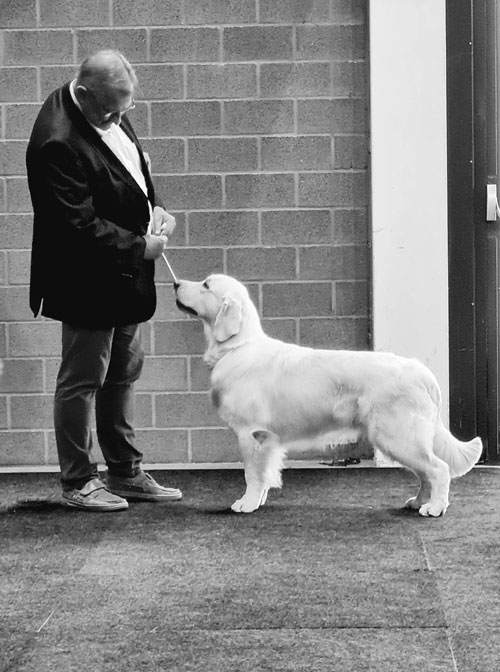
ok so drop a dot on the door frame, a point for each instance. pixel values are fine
(408, 182)
(472, 246)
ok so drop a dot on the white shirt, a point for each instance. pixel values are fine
(123, 148)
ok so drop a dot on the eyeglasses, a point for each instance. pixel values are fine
(106, 115)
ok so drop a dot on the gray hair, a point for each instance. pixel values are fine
(107, 68)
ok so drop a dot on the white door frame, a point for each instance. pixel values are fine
(409, 182)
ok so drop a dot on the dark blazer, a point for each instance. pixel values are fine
(87, 263)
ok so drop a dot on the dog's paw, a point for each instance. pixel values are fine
(246, 504)
(413, 503)
(432, 510)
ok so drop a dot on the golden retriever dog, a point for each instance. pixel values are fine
(278, 397)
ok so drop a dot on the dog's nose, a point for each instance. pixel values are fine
(176, 286)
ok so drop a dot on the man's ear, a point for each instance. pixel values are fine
(228, 320)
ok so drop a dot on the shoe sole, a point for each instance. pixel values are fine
(96, 509)
(144, 497)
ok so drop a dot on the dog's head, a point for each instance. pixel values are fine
(221, 302)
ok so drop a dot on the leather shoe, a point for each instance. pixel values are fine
(141, 487)
(94, 496)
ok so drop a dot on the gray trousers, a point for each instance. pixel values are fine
(98, 370)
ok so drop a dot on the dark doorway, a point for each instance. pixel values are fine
(474, 243)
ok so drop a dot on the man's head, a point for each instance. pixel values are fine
(105, 87)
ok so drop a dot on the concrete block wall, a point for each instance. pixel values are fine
(254, 113)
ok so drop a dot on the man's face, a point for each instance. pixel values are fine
(106, 106)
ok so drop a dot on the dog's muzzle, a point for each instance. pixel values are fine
(186, 309)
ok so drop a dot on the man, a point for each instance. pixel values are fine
(98, 227)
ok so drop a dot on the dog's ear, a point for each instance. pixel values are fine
(228, 320)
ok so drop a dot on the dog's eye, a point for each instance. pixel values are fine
(205, 284)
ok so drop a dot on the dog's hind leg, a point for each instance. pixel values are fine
(439, 482)
(432, 498)
(423, 496)
(409, 442)
(263, 461)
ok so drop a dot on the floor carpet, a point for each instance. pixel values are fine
(331, 575)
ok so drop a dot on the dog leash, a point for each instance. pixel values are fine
(169, 268)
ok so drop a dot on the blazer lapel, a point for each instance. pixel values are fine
(91, 135)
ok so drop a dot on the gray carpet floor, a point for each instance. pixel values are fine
(331, 575)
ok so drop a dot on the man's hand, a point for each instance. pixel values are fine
(154, 246)
(163, 222)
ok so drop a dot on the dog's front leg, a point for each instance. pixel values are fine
(256, 460)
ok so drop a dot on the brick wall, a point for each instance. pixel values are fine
(254, 113)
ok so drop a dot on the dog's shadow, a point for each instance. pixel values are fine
(226, 511)
(404, 513)
(35, 505)
(51, 504)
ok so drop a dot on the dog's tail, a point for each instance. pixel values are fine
(460, 456)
